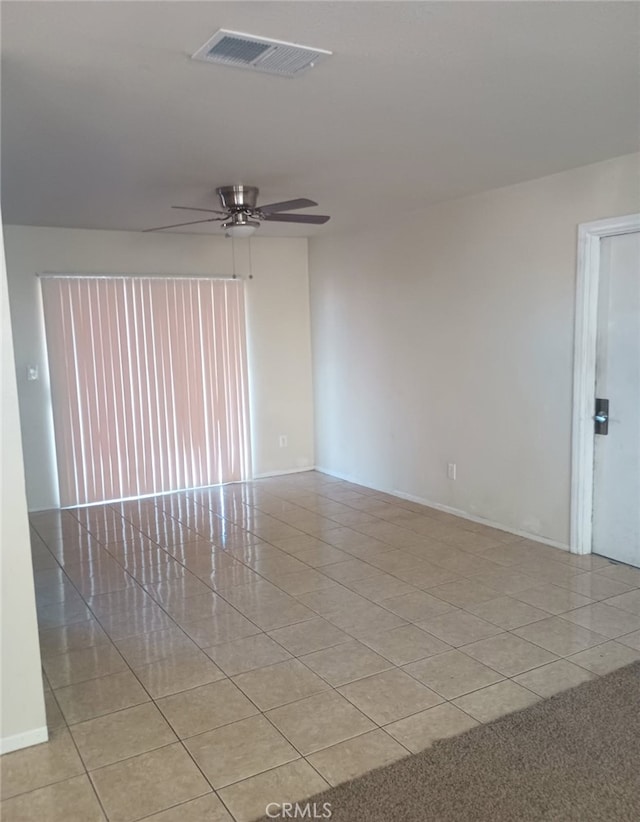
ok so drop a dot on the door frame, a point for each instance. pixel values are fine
(584, 372)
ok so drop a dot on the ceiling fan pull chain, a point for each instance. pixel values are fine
(233, 257)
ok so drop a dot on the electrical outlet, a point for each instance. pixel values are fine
(451, 470)
(282, 440)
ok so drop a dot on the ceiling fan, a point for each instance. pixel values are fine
(241, 215)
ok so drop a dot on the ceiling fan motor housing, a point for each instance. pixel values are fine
(238, 198)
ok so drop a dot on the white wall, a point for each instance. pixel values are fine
(278, 316)
(22, 712)
(446, 336)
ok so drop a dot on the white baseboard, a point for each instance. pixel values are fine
(283, 473)
(448, 510)
(24, 740)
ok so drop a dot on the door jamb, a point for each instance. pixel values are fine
(584, 372)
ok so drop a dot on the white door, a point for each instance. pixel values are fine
(616, 494)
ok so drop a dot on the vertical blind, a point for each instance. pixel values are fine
(149, 384)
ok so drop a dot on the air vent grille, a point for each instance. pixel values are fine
(233, 48)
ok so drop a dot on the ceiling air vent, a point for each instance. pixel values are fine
(233, 48)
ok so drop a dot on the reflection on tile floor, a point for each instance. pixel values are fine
(211, 651)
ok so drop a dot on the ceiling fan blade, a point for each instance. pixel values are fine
(209, 210)
(286, 205)
(318, 219)
(178, 225)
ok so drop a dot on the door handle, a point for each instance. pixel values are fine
(601, 416)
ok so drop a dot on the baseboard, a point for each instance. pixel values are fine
(447, 509)
(24, 740)
(283, 473)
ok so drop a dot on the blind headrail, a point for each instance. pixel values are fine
(64, 275)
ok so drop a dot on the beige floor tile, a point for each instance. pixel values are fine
(178, 672)
(55, 718)
(73, 799)
(279, 684)
(240, 750)
(227, 578)
(319, 721)
(497, 700)
(352, 758)
(604, 619)
(595, 586)
(507, 612)
(553, 678)
(507, 554)
(40, 765)
(148, 783)
(366, 618)
(125, 624)
(247, 654)
(308, 636)
(380, 587)
(560, 636)
(83, 664)
(417, 606)
(346, 662)
(321, 554)
(303, 582)
(73, 637)
(452, 674)
(333, 600)
(293, 545)
(194, 609)
(389, 696)
(205, 708)
(220, 628)
(631, 640)
(395, 560)
(122, 734)
(274, 615)
(97, 697)
(206, 808)
(405, 644)
(293, 782)
(626, 602)
(350, 570)
(508, 654)
(425, 575)
(63, 613)
(463, 563)
(175, 589)
(146, 648)
(587, 562)
(552, 598)
(622, 573)
(548, 570)
(421, 730)
(507, 581)
(459, 628)
(124, 600)
(464, 593)
(606, 657)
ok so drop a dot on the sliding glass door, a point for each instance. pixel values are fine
(148, 383)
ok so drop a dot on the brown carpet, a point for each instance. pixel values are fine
(575, 756)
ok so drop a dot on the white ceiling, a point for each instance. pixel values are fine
(106, 122)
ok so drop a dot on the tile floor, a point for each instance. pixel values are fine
(208, 652)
